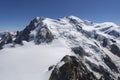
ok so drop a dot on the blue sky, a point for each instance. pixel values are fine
(16, 14)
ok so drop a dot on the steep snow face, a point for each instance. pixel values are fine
(96, 45)
(109, 28)
(31, 62)
(93, 40)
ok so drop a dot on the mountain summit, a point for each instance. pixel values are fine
(67, 48)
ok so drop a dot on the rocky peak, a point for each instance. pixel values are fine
(94, 45)
(37, 31)
(72, 69)
(5, 38)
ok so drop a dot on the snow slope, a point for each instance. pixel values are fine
(44, 42)
(30, 62)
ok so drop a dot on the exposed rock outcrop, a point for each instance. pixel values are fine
(72, 69)
(42, 33)
(110, 64)
(6, 38)
(90, 42)
(79, 50)
(105, 42)
(115, 49)
(105, 74)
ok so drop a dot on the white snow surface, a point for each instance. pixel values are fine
(31, 62)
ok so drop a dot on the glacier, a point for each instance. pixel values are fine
(67, 48)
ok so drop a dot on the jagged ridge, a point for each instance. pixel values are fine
(95, 43)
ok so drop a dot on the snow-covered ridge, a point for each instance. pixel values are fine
(44, 42)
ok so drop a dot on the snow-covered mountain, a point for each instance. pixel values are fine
(68, 48)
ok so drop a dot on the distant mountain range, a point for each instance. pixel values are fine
(68, 48)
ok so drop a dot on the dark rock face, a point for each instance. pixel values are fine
(6, 38)
(105, 42)
(114, 33)
(110, 64)
(2, 44)
(24, 35)
(113, 40)
(93, 66)
(44, 35)
(118, 78)
(115, 49)
(78, 50)
(94, 35)
(72, 69)
(74, 21)
(106, 75)
(105, 29)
